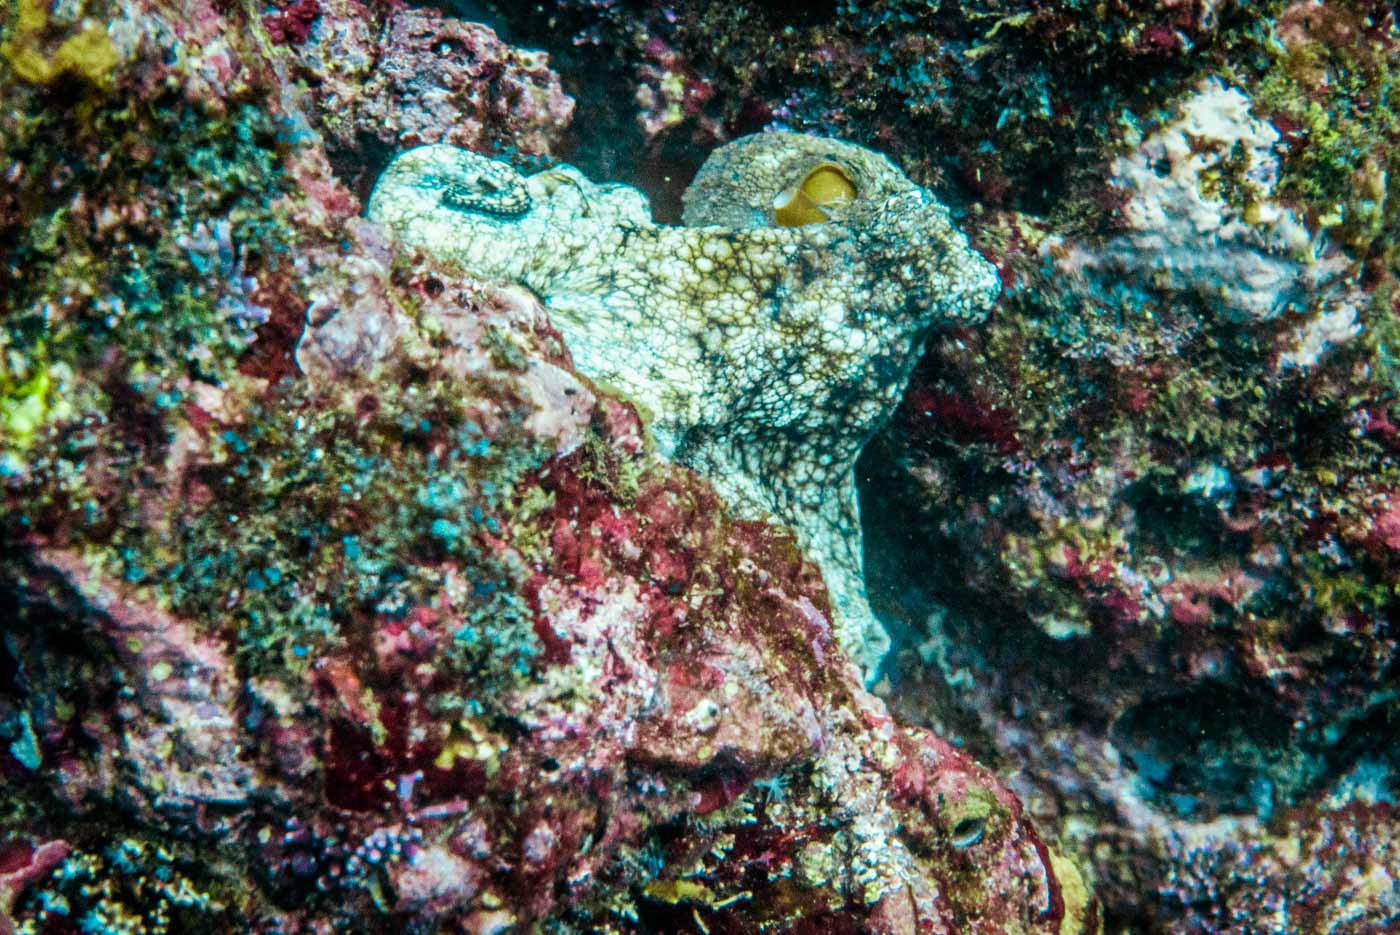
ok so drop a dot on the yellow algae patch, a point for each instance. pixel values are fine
(1073, 891)
(22, 409)
(88, 53)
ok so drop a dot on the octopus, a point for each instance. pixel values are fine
(764, 340)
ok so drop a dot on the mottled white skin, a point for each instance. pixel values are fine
(763, 357)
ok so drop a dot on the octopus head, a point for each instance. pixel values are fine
(791, 180)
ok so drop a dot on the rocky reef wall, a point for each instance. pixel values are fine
(336, 595)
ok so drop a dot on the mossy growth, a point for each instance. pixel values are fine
(131, 228)
(130, 221)
(161, 280)
(1167, 377)
(326, 515)
(1011, 102)
(27, 401)
(602, 465)
(131, 886)
(1163, 437)
(1332, 88)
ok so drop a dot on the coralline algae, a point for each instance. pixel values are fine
(766, 339)
(1202, 214)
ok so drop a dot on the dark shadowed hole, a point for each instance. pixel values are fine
(1211, 750)
(785, 13)
(968, 832)
(1170, 521)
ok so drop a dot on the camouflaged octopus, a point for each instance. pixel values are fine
(765, 340)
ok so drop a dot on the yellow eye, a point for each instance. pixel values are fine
(826, 185)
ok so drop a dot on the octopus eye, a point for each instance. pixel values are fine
(826, 185)
(494, 189)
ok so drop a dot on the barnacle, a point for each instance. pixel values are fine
(766, 338)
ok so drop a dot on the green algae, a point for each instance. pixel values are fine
(1332, 89)
(124, 282)
(157, 293)
(329, 514)
(25, 402)
(602, 465)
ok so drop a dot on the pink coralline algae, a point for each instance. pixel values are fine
(1325, 870)
(21, 864)
(291, 25)
(402, 77)
(1140, 527)
(1156, 567)
(334, 597)
(422, 93)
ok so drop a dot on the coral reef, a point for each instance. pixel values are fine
(1149, 576)
(347, 586)
(1011, 100)
(765, 344)
(336, 598)
(1326, 870)
(1200, 213)
(1135, 534)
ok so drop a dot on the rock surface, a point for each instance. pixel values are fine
(1133, 534)
(335, 591)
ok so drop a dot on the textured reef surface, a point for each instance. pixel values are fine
(608, 466)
